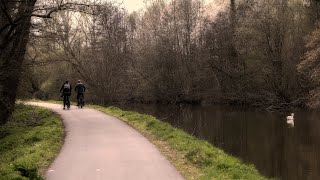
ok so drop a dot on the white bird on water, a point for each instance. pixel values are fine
(290, 119)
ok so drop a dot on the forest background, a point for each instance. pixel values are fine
(245, 52)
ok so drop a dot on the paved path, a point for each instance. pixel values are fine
(101, 147)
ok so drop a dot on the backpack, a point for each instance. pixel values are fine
(66, 86)
(80, 88)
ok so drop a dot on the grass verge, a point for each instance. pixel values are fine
(194, 158)
(29, 142)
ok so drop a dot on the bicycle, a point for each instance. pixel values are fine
(80, 101)
(66, 101)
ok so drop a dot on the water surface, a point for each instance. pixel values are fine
(260, 138)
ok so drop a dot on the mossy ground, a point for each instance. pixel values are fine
(29, 142)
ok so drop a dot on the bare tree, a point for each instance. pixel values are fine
(96, 46)
(173, 53)
(15, 23)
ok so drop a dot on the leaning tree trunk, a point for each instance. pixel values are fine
(15, 26)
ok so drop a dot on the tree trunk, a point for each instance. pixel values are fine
(13, 42)
(232, 13)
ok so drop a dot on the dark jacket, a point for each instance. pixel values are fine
(66, 89)
(80, 88)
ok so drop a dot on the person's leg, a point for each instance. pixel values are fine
(68, 101)
(64, 101)
(82, 99)
(78, 97)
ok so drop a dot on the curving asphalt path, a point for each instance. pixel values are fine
(101, 147)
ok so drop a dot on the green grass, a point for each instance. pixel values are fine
(194, 158)
(29, 142)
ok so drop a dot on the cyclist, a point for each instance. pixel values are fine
(66, 93)
(80, 89)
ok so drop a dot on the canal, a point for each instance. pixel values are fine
(260, 138)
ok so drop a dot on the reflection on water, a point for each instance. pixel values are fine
(261, 138)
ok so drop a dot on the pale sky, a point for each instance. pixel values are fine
(132, 5)
(135, 5)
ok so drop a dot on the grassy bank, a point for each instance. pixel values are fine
(194, 158)
(29, 142)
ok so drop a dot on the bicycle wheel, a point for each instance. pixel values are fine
(68, 102)
(81, 101)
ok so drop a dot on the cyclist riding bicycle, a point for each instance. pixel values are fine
(80, 89)
(66, 93)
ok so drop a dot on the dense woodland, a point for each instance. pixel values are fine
(251, 52)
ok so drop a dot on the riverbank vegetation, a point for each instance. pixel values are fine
(29, 142)
(256, 53)
(194, 158)
(181, 51)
